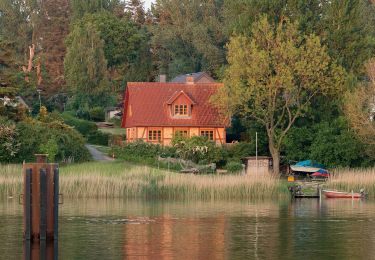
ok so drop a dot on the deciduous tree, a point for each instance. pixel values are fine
(274, 75)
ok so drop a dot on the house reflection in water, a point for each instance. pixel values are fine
(172, 238)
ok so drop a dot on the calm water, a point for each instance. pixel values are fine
(122, 229)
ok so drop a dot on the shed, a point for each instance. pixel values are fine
(260, 164)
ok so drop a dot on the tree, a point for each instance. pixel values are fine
(347, 29)
(86, 67)
(126, 46)
(187, 37)
(136, 11)
(274, 76)
(344, 26)
(81, 7)
(360, 107)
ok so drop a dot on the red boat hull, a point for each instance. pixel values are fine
(342, 195)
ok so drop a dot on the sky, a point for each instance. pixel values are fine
(148, 3)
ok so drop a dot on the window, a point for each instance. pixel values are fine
(181, 110)
(154, 135)
(208, 133)
(183, 133)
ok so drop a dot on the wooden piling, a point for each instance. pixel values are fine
(40, 199)
(56, 202)
(43, 204)
(27, 204)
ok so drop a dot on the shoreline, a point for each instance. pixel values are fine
(120, 179)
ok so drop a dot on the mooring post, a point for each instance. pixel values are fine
(27, 204)
(56, 203)
(43, 204)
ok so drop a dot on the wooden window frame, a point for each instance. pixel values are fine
(181, 110)
(156, 135)
(205, 131)
(182, 130)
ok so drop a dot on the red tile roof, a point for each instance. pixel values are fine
(147, 104)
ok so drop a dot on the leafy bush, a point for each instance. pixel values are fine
(97, 114)
(234, 166)
(197, 149)
(98, 138)
(51, 148)
(34, 137)
(83, 126)
(146, 153)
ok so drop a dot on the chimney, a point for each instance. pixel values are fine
(163, 78)
(189, 79)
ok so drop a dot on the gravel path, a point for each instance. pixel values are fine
(96, 154)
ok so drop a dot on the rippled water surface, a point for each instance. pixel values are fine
(129, 229)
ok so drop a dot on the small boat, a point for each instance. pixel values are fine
(307, 166)
(306, 169)
(344, 194)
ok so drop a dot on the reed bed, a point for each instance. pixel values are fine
(353, 179)
(117, 179)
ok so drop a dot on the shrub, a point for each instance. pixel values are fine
(51, 148)
(197, 149)
(97, 114)
(234, 166)
(98, 138)
(83, 126)
(34, 137)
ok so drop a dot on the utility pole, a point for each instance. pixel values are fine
(40, 101)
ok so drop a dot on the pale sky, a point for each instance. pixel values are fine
(148, 3)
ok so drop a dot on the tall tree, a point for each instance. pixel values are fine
(86, 67)
(273, 77)
(81, 7)
(51, 31)
(345, 26)
(126, 46)
(187, 36)
(135, 8)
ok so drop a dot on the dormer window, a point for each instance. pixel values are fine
(181, 110)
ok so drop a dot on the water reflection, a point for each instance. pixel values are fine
(128, 229)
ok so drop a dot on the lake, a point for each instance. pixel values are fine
(138, 229)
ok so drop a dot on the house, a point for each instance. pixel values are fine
(198, 77)
(156, 111)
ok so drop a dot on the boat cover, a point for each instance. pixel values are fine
(310, 163)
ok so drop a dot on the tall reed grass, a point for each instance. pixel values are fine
(353, 179)
(118, 179)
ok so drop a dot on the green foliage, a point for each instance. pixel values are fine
(98, 138)
(197, 149)
(274, 75)
(146, 154)
(9, 145)
(349, 33)
(10, 82)
(83, 126)
(51, 148)
(53, 137)
(97, 114)
(332, 144)
(234, 166)
(86, 67)
(82, 7)
(188, 37)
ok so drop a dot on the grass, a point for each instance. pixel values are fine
(117, 179)
(353, 179)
